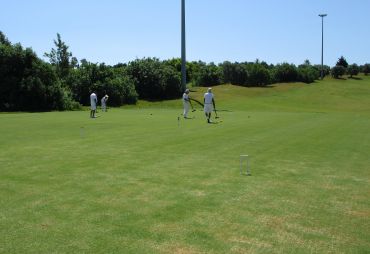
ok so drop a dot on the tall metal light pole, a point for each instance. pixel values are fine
(322, 44)
(183, 47)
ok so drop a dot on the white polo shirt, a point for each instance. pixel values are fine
(93, 100)
(208, 98)
(185, 98)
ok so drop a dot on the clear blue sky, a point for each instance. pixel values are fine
(113, 31)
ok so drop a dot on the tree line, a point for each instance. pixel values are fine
(28, 83)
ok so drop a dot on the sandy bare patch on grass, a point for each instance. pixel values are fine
(177, 248)
(167, 228)
(250, 241)
(197, 193)
(361, 214)
(273, 221)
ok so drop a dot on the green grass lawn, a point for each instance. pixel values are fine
(137, 180)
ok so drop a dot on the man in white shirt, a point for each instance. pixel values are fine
(209, 104)
(104, 103)
(186, 102)
(93, 103)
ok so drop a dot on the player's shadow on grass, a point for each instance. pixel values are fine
(224, 110)
(266, 86)
(355, 78)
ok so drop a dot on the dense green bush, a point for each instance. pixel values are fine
(27, 83)
(154, 80)
(121, 90)
(101, 79)
(285, 73)
(87, 78)
(192, 68)
(209, 75)
(338, 71)
(366, 69)
(171, 81)
(326, 69)
(308, 74)
(234, 73)
(258, 75)
(353, 70)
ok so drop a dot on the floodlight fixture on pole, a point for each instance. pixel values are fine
(183, 47)
(322, 43)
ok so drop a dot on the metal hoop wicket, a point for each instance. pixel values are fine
(244, 165)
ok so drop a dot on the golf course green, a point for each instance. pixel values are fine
(141, 179)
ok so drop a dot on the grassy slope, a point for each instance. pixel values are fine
(137, 181)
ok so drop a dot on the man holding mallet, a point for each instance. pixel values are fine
(104, 103)
(209, 104)
(93, 103)
(186, 102)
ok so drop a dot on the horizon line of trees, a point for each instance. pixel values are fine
(28, 83)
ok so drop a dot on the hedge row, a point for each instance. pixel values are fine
(31, 84)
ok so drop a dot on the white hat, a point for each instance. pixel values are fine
(209, 89)
(187, 90)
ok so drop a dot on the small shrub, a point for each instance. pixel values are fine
(338, 71)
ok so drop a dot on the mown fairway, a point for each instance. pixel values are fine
(136, 181)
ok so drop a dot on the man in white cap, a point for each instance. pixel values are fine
(209, 104)
(186, 102)
(93, 103)
(104, 103)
